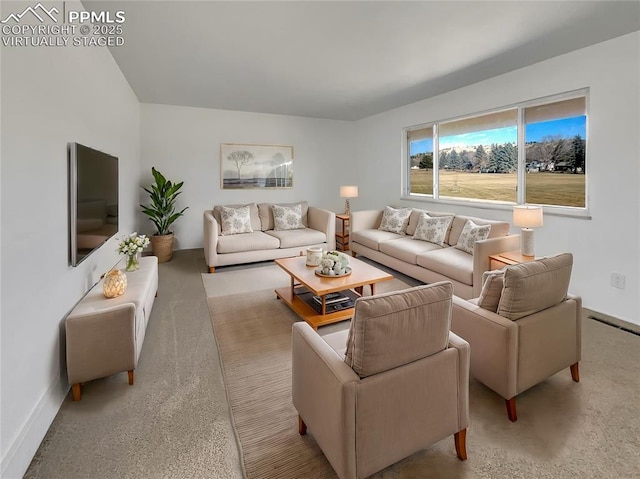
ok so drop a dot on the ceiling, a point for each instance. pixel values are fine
(343, 60)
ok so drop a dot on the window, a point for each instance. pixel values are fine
(534, 152)
(555, 143)
(420, 143)
(478, 157)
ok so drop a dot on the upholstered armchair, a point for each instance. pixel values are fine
(523, 328)
(396, 382)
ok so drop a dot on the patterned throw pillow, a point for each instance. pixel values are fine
(470, 234)
(395, 220)
(433, 229)
(287, 217)
(236, 220)
(492, 283)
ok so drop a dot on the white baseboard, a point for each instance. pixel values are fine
(19, 455)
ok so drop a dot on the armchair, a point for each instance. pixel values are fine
(525, 330)
(393, 384)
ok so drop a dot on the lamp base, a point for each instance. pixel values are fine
(347, 207)
(526, 242)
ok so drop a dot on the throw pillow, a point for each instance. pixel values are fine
(395, 220)
(536, 285)
(470, 234)
(236, 220)
(287, 217)
(492, 283)
(433, 229)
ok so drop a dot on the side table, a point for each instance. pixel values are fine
(500, 260)
(342, 233)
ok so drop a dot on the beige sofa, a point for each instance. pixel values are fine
(264, 242)
(427, 261)
(396, 382)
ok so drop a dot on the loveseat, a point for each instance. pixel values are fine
(237, 234)
(438, 256)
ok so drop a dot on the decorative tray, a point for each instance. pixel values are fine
(347, 272)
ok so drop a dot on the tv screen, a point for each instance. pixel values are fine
(93, 200)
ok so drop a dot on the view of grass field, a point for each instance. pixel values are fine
(542, 188)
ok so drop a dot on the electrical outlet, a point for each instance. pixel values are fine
(618, 280)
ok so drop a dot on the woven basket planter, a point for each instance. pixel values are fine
(162, 247)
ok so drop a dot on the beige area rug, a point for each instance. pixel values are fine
(564, 429)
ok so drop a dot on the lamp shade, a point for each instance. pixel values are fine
(527, 216)
(348, 192)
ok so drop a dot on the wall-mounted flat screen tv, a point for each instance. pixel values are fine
(93, 200)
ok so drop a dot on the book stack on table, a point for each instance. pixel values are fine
(334, 301)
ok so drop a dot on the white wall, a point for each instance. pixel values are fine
(610, 241)
(184, 144)
(51, 96)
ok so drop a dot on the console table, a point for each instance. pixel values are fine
(105, 335)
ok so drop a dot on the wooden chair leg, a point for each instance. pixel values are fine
(460, 440)
(77, 394)
(575, 372)
(212, 269)
(302, 427)
(130, 377)
(511, 409)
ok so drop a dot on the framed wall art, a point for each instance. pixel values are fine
(256, 166)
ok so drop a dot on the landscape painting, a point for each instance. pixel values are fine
(256, 166)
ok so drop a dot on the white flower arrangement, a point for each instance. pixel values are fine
(333, 263)
(133, 244)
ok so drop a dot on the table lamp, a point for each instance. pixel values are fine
(527, 217)
(348, 192)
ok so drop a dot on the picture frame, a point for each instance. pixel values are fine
(246, 166)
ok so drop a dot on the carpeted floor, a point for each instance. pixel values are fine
(175, 423)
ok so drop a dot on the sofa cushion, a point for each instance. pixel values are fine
(253, 210)
(373, 237)
(235, 220)
(433, 229)
(470, 234)
(498, 228)
(492, 283)
(392, 329)
(287, 217)
(266, 214)
(450, 262)
(406, 248)
(536, 285)
(246, 242)
(300, 237)
(395, 220)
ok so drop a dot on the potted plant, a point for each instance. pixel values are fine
(162, 212)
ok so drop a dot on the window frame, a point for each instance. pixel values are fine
(571, 211)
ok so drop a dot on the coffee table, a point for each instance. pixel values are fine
(304, 279)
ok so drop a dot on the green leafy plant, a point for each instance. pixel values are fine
(162, 211)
